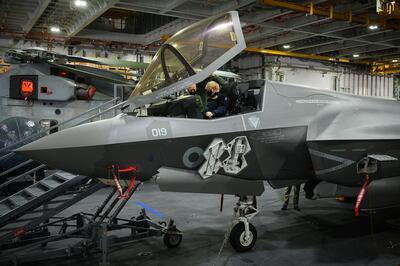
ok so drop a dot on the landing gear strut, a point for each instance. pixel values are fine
(243, 235)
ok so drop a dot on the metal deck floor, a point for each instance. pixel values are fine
(324, 232)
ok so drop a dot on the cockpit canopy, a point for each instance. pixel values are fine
(190, 56)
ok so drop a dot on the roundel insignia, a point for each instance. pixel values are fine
(193, 157)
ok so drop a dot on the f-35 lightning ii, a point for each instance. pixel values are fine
(284, 134)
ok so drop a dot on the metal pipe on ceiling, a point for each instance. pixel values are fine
(344, 16)
(374, 67)
(386, 69)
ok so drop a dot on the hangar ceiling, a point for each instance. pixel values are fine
(296, 26)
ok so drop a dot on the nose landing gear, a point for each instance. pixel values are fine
(243, 235)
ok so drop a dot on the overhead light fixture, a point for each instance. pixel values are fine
(373, 27)
(55, 29)
(286, 46)
(80, 3)
(356, 55)
(395, 61)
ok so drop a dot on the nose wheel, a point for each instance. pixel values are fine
(243, 235)
(240, 240)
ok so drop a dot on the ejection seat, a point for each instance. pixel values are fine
(251, 95)
(232, 91)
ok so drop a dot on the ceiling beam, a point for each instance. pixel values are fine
(171, 6)
(344, 16)
(331, 27)
(288, 26)
(306, 56)
(93, 12)
(329, 35)
(161, 7)
(362, 50)
(333, 47)
(293, 34)
(35, 15)
(142, 39)
(346, 44)
(151, 10)
(297, 48)
(377, 56)
(231, 5)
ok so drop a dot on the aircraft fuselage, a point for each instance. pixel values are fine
(298, 134)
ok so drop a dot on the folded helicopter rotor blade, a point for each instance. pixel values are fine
(90, 74)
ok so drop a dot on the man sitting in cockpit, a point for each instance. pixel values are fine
(217, 102)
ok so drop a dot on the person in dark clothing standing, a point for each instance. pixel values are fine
(217, 102)
(192, 90)
(193, 106)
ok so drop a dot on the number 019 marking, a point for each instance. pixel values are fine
(159, 132)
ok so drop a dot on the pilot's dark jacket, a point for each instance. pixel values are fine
(201, 87)
(217, 104)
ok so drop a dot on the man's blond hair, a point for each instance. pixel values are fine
(211, 85)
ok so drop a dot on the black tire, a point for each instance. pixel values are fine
(236, 237)
(173, 240)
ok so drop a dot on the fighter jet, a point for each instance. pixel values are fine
(284, 134)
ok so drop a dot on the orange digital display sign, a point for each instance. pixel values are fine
(27, 87)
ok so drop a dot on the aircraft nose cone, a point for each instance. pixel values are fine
(75, 150)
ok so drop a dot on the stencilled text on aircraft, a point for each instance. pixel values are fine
(268, 137)
(159, 129)
(317, 101)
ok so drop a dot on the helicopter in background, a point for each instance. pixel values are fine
(40, 89)
(55, 67)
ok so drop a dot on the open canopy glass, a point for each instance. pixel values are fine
(190, 56)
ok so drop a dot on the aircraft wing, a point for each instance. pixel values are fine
(350, 128)
(205, 46)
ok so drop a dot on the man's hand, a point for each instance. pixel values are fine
(209, 114)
